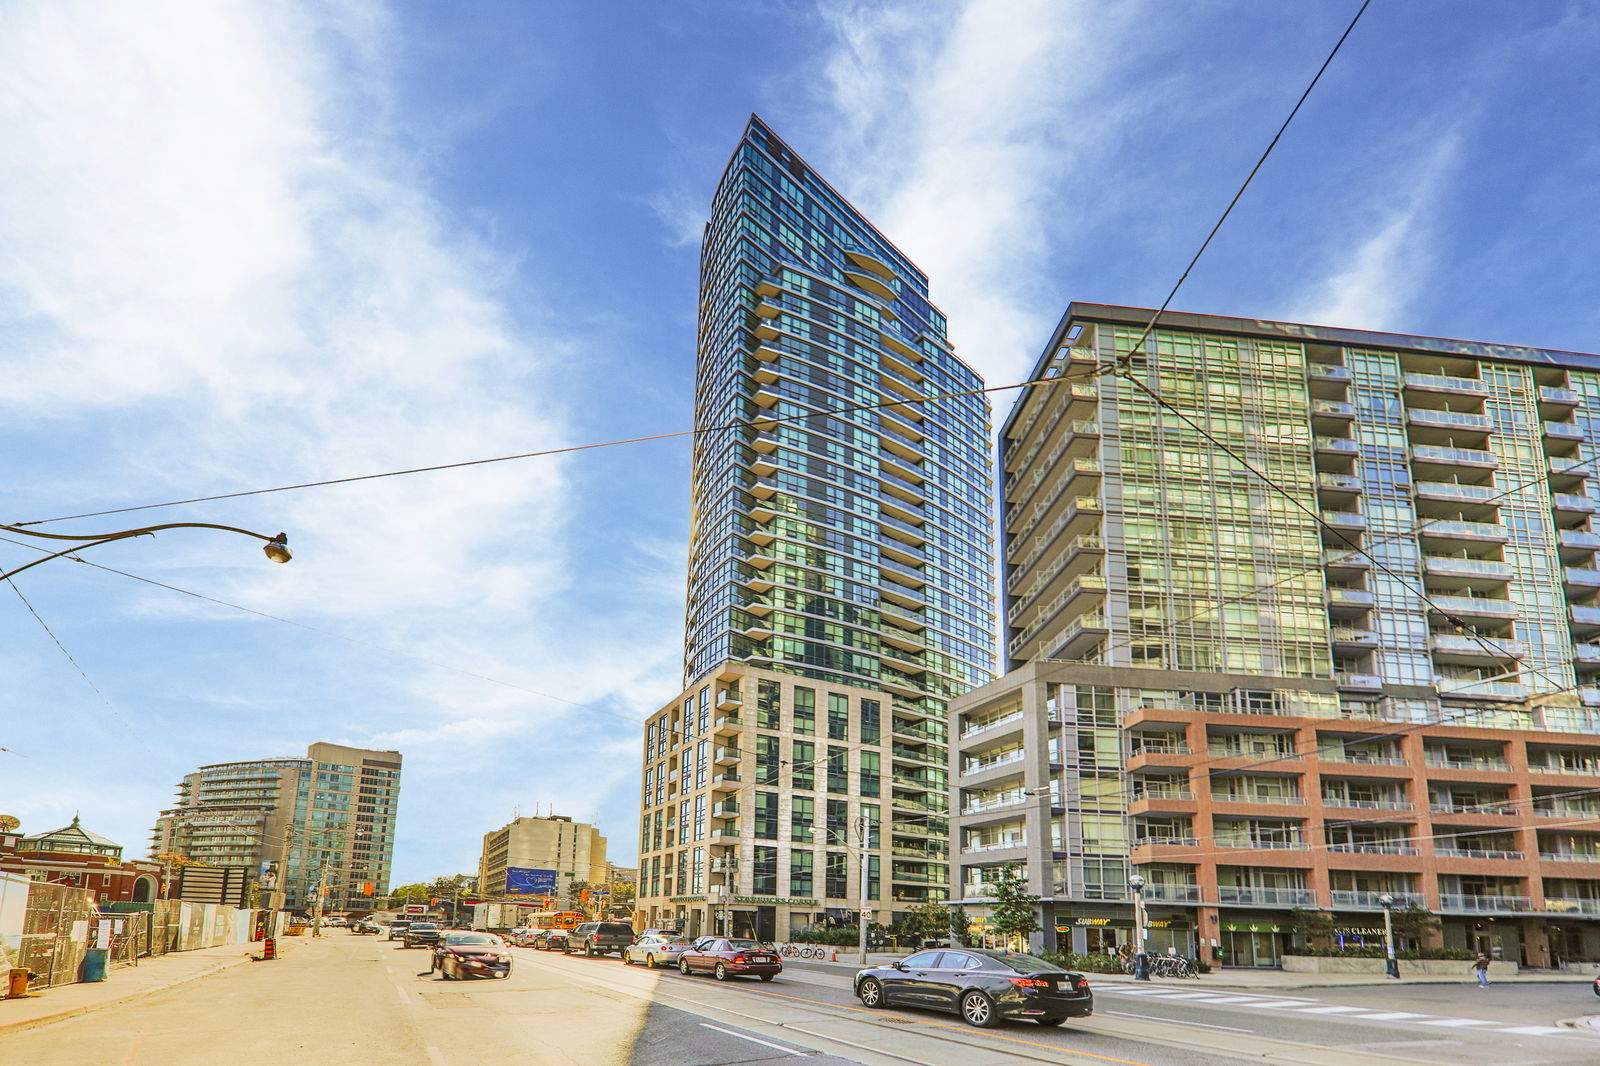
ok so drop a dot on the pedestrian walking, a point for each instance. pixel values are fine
(1481, 969)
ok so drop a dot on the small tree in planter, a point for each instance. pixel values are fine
(960, 926)
(1014, 914)
(1311, 925)
(1413, 922)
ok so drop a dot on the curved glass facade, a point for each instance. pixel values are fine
(853, 546)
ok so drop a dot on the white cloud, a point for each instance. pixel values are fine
(1374, 284)
(959, 126)
(219, 271)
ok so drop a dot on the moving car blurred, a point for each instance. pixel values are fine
(724, 958)
(982, 985)
(549, 940)
(397, 929)
(472, 955)
(656, 949)
(421, 935)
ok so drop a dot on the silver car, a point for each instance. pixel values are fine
(656, 949)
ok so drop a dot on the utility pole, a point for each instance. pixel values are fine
(862, 825)
(322, 881)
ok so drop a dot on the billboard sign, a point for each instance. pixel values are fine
(522, 881)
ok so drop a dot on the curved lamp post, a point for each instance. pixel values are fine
(1390, 966)
(277, 548)
(1141, 962)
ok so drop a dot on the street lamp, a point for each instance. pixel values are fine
(1390, 966)
(277, 548)
(1141, 964)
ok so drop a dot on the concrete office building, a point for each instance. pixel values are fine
(325, 819)
(839, 589)
(572, 851)
(1374, 676)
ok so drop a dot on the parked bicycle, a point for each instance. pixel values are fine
(1163, 966)
(803, 951)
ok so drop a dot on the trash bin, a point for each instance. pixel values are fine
(94, 964)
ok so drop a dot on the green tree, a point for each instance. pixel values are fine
(1311, 924)
(1014, 913)
(575, 892)
(403, 894)
(960, 926)
(926, 920)
(1413, 922)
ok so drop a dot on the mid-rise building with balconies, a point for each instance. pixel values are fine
(1313, 624)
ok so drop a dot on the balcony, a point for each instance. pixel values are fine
(1328, 373)
(1449, 421)
(1337, 446)
(1558, 905)
(1474, 607)
(1447, 455)
(1154, 893)
(1569, 856)
(1555, 402)
(1334, 410)
(728, 756)
(1476, 688)
(1256, 798)
(1580, 581)
(1350, 682)
(1585, 619)
(1442, 761)
(1365, 804)
(1347, 521)
(1457, 493)
(1569, 472)
(1455, 647)
(1363, 901)
(1373, 848)
(1446, 384)
(1340, 561)
(1266, 897)
(1469, 571)
(1442, 532)
(727, 725)
(725, 809)
(1461, 904)
(1563, 433)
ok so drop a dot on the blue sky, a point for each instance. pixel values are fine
(248, 245)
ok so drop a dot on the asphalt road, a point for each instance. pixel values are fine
(350, 1000)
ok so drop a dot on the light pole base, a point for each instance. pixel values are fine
(1391, 968)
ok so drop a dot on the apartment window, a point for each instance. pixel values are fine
(871, 721)
(702, 763)
(766, 760)
(838, 769)
(805, 711)
(765, 879)
(697, 877)
(705, 710)
(769, 707)
(700, 817)
(838, 821)
(836, 875)
(874, 876)
(801, 867)
(838, 716)
(871, 763)
(869, 812)
(767, 815)
(803, 815)
(805, 764)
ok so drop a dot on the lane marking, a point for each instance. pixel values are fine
(1290, 1004)
(1455, 1023)
(1174, 1021)
(1542, 1030)
(1332, 1010)
(1391, 1016)
(753, 1039)
(1190, 995)
(402, 994)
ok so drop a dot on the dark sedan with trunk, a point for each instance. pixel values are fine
(473, 955)
(981, 985)
(724, 958)
(421, 935)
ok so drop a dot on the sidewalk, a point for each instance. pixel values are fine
(849, 961)
(152, 975)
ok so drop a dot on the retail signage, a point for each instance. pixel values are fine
(774, 900)
(1250, 927)
(687, 899)
(1357, 930)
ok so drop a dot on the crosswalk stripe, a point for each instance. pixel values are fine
(1455, 1023)
(1190, 995)
(1287, 1003)
(1331, 1010)
(1540, 1030)
(1390, 1016)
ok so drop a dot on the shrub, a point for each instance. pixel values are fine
(1069, 960)
(1376, 952)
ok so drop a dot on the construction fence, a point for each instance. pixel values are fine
(49, 928)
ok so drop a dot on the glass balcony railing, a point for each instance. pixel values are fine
(1270, 897)
(1447, 383)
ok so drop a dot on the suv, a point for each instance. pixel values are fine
(421, 935)
(599, 938)
(397, 929)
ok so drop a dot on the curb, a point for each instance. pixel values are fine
(88, 1008)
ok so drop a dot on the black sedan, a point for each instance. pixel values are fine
(472, 955)
(981, 985)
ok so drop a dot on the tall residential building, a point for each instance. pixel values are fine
(1374, 676)
(839, 569)
(552, 850)
(325, 819)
